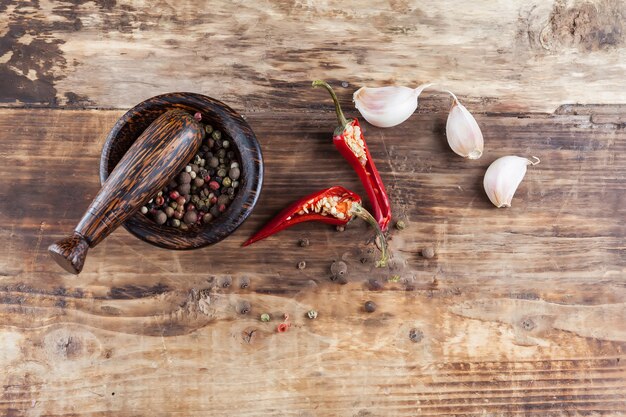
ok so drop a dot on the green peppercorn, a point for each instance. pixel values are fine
(208, 129)
(175, 223)
(216, 135)
(221, 173)
(369, 306)
(400, 225)
(265, 317)
(226, 182)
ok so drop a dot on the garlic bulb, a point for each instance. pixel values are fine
(387, 106)
(503, 177)
(464, 135)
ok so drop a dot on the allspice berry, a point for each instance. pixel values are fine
(369, 306)
(184, 178)
(190, 217)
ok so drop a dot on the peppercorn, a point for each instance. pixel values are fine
(312, 314)
(234, 173)
(178, 214)
(173, 204)
(188, 168)
(169, 212)
(175, 223)
(160, 217)
(428, 252)
(227, 182)
(369, 306)
(190, 217)
(301, 265)
(226, 282)
(215, 212)
(304, 242)
(184, 189)
(198, 182)
(222, 199)
(226, 144)
(214, 185)
(338, 269)
(184, 227)
(265, 317)
(197, 116)
(191, 206)
(221, 172)
(235, 184)
(174, 195)
(159, 201)
(207, 218)
(144, 210)
(341, 228)
(222, 208)
(400, 225)
(216, 135)
(181, 200)
(193, 174)
(243, 307)
(208, 129)
(184, 178)
(244, 282)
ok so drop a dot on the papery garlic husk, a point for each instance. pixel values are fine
(503, 177)
(464, 135)
(387, 106)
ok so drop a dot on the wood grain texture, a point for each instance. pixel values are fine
(505, 56)
(521, 312)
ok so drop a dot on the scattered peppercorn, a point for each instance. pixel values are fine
(265, 317)
(375, 284)
(400, 225)
(341, 228)
(301, 265)
(338, 269)
(369, 306)
(213, 172)
(304, 242)
(227, 282)
(282, 327)
(428, 252)
(244, 282)
(416, 335)
(312, 314)
(243, 307)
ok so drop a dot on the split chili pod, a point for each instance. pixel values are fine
(335, 205)
(349, 141)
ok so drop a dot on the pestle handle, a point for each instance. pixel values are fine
(159, 153)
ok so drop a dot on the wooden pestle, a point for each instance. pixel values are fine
(161, 151)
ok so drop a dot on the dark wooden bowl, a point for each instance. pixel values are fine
(221, 117)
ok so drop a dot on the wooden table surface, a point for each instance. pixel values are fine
(521, 312)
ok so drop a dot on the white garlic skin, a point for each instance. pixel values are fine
(503, 177)
(464, 135)
(387, 106)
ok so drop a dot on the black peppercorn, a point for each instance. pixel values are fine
(369, 306)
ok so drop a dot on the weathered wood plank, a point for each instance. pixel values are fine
(521, 312)
(260, 56)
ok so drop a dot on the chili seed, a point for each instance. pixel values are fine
(312, 314)
(369, 306)
(301, 265)
(428, 252)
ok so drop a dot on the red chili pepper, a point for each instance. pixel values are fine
(350, 142)
(335, 205)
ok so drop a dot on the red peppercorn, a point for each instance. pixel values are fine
(222, 208)
(159, 201)
(174, 195)
(178, 215)
(198, 116)
(214, 185)
(181, 200)
(213, 200)
(191, 206)
(207, 178)
(282, 327)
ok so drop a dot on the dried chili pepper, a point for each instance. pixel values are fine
(350, 142)
(335, 205)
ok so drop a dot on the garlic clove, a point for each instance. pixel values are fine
(503, 177)
(463, 133)
(387, 106)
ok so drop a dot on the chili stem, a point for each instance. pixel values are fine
(359, 211)
(340, 117)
